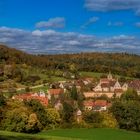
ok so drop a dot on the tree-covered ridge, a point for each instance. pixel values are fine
(117, 63)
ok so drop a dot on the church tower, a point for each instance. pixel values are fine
(109, 77)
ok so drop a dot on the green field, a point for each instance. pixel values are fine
(74, 134)
(90, 74)
(98, 75)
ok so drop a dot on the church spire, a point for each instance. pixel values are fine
(109, 77)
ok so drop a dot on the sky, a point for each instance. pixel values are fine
(71, 26)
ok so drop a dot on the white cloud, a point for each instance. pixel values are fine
(37, 33)
(50, 41)
(90, 21)
(138, 24)
(118, 23)
(113, 5)
(41, 33)
(74, 42)
(58, 22)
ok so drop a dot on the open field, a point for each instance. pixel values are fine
(74, 134)
(98, 75)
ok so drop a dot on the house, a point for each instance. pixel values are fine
(66, 85)
(29, 96)
(98, 105)
(125, 87)
(61, 85)
(58, 105)
(87, 80)
(135, 84)
(110, 87)
(55, 92)
(93, 94)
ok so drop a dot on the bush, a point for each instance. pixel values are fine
(100, 120)
(109, 120)
(82, 124)
(53, 118)
(93, 117)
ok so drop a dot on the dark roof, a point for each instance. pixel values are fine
(135, 84)
(112, 83)
(104, 85)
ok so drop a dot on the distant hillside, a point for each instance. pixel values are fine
(117, 63)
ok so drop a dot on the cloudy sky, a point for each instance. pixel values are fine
(71, 26)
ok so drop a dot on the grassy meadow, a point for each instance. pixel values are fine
(73, 134)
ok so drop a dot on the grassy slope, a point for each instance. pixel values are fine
(77, 134)
(5, 135)
(96, 134)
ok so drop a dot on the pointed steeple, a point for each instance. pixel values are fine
(109, 77)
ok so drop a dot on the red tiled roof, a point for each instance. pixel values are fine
(88, 103)
(100, 103)
(104, 80)
(56, 91)
(29, 96)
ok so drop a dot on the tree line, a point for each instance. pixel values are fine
(118, 63)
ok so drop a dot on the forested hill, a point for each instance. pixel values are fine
(117, 63)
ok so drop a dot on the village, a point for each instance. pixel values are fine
(96, 96)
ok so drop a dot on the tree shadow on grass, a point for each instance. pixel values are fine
(18, 138)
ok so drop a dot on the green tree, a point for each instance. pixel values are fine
(20, 120)
(74, 94)
(130, 94)
(109, 121)
(93, 118)
(39, 109)
(68, 112)
(33, 125)
(53, 118)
